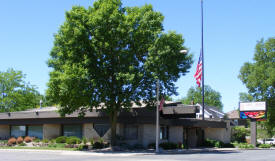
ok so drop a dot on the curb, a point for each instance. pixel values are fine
(135, 153)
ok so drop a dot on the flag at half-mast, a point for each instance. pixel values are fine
(162, 102)
(198, 74)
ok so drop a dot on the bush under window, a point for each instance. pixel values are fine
(61, 139)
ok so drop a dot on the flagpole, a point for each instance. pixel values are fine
(157, 119)
(202, 59)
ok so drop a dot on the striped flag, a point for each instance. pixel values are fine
(198, 73)
(162, 102)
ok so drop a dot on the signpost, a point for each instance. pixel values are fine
(255, 111)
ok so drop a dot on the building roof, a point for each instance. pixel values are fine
(213, 111)
(234, 114)
(135, 115)
(169, 108)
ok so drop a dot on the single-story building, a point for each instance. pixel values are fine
(178, 124)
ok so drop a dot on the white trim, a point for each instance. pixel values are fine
(217, 111)
(209, 114)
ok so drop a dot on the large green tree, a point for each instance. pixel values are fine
(15, 93)
(245, 97)
(211, 97)
(259, 77)
(113, 55)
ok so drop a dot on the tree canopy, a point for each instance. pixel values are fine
(259, 77)
(16, 94)
(245, 97)
(113, 54)
(211, 97)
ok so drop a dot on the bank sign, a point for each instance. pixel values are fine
(253, 110)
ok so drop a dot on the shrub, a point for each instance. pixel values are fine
(98, 145)
(101, 140)
(45, 141)
(52, 145)
(219, 144)
(19, 140)
(92, 141)
(168, 145)
(73, 140)
(180, 145)
(209, 143)
(82, 147)
(214, 143)
(22, 144)
(3, 142)
(151, 146)
(84, 140)
(138, 146)
(52, 141)
(11, 141)
(239, 134)
(265, 146)
(36, 140)
(245, 146)
(61, 139)
(228, 145)
(28, 139)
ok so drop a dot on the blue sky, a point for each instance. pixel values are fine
(232, 29)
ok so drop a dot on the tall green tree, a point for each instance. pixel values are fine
(211, 97)
(113, 55)
(259, 77)
(245, 97)
(15, 93)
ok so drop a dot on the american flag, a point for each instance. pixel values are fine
(162, 102)
(198, 73)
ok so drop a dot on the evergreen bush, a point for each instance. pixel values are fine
(61, 139)
(73, 140)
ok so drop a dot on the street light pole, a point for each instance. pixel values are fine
(157, 119)
(157, 109)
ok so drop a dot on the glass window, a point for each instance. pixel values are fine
(72, 130)
(101, 129)
(163, 132)
(131, 132)
(17, 131)
(35, 131)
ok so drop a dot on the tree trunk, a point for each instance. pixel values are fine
(113, 121)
